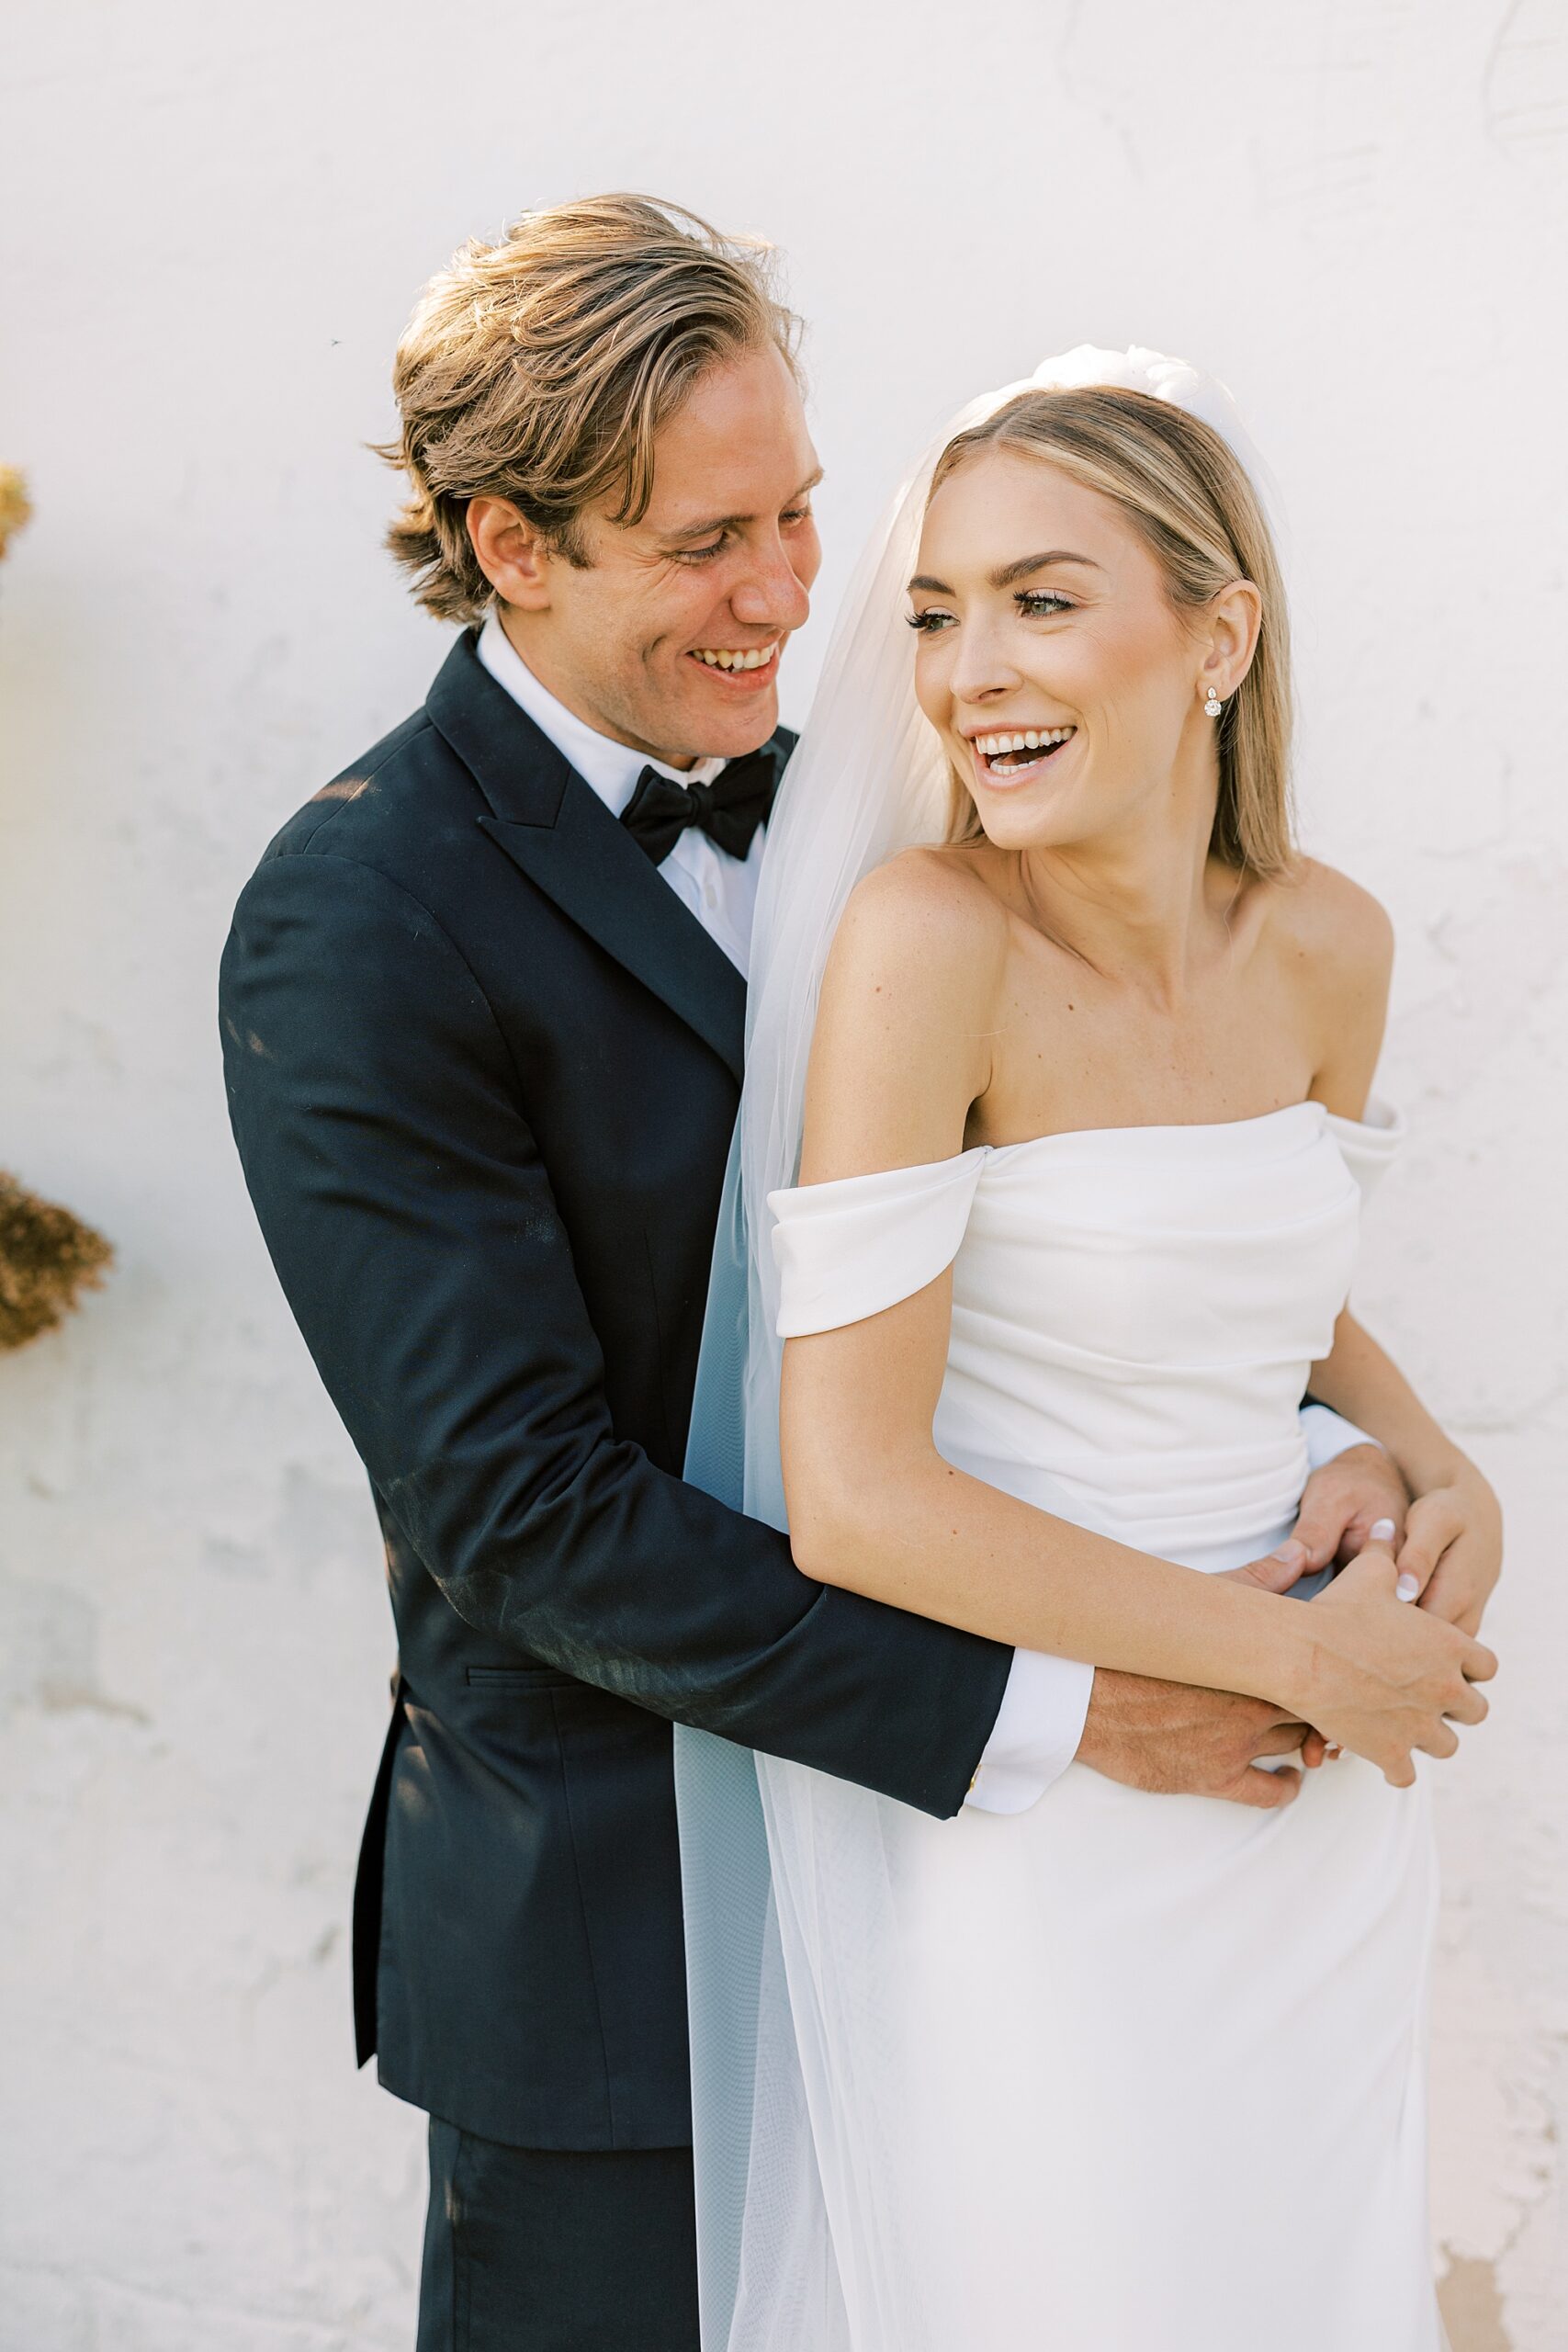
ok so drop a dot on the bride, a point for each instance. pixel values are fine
(1048, 1179)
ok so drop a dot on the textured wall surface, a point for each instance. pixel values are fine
(214, 222)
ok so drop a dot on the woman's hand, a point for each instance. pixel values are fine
(1453, 1547)
(1385, 1679)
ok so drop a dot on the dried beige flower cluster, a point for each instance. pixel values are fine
(45, 1254)
(46, 1257)
(15, 508)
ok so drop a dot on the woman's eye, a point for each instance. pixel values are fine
(926, 624)
(1038, 601)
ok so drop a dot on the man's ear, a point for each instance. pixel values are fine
(511, 554)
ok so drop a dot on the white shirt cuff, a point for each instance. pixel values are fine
(1328, 1435)
(1036, 1733)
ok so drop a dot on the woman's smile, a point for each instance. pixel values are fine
(1004, 758)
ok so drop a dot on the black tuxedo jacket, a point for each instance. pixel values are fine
(482, 1067)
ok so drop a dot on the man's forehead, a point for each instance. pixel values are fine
(738, 446)
(745, 488)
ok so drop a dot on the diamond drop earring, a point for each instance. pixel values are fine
(1213, 708)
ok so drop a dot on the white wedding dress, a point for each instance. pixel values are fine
(1123, 2073)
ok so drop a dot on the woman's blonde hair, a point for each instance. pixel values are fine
(540, 369)
(1189, 495)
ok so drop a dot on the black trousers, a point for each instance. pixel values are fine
(550, 2250)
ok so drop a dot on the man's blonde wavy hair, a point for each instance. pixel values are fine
(541, 368)
(1191, 499)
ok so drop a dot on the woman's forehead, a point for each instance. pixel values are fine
(996, 499)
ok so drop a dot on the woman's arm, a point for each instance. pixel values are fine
(1453, 1531)
(913, 993)
(1359, 1379)
(1453, 1534)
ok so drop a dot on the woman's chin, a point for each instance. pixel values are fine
(1032, 821)
(1033, 809)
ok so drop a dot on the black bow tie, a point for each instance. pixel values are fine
(728, 810)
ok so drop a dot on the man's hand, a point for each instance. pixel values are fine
(1341, 1501)
(1179, 1741)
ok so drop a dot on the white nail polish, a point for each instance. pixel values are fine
(1407, 1587)
(1382, 1531)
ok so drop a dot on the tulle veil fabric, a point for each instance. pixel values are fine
(791, 2251)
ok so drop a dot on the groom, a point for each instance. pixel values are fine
(482, 1013)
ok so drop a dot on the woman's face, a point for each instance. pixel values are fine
(1042, 613)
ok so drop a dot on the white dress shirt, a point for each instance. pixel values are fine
(1040, 1719)
(720, 890)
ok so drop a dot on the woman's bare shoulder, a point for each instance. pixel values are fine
(1335, 945)
(1336, 933)
(924, 903)
(901, 1044)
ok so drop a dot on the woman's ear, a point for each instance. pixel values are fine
(511, 553)
(1235, 617)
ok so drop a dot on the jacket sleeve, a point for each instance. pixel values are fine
(413, 1227)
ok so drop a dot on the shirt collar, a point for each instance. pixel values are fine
(612, 769)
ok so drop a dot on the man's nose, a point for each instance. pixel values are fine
(771, 595)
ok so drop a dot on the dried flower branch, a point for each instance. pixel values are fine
(46, 1257)
(15, 508)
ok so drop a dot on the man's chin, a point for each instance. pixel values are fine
(728, 734)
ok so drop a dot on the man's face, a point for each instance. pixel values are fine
(670, 640)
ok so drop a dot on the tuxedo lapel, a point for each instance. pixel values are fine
(595, 873)
(558, 831)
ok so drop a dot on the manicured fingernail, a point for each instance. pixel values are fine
(1382, 1531)
(1407, 1587)
(1334, 1751)
(1292, 1554)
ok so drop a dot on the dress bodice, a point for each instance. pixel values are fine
(1135, 1309)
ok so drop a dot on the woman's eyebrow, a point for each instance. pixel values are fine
(1011, 572)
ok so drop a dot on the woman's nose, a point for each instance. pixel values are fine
(980, 669)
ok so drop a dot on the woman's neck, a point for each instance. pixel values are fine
(1145, 907)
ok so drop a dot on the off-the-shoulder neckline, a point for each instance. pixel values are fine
(1190, 1128)
(1383, 1130)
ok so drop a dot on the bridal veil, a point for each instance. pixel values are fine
(775, 2016)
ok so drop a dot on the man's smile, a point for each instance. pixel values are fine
(745, 667)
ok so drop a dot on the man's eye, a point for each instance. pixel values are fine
(794, 515)
(701, 555)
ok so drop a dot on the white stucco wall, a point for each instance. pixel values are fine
(214, 222)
